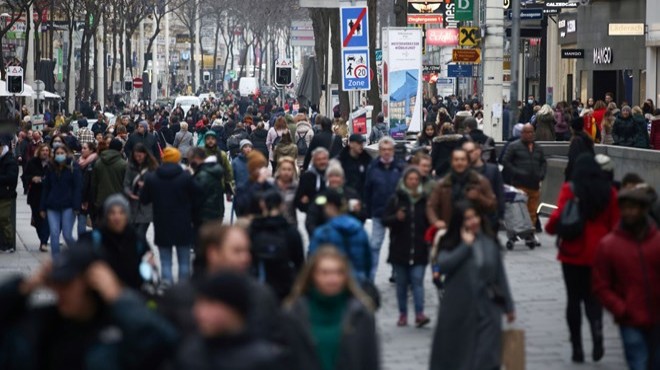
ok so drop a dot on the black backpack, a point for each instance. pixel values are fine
(571, 221)
(271, 253)
(301, 143)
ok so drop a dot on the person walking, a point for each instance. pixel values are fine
(108, 173)
(239, 163)
(285, 148)
(86, 163)
(468, 335)
(442, 147)
(383, 176)
(313, 181)
(209, 175)
(600, 214)
(545, 124)
(139, 166)
(355, 162)
(492, 173)
(405, 216)
(61, 197)
(84, 134)
(625, 130)
(581, 143)
(8, 184)
(183, 140)
(331, 322)
(525, 161)
(35, 172)
(173, 192)
(142, 135)
(274, 137)
(325, 138)
(625, 278)
(302, 135)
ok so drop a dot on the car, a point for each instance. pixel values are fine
(248, 86)
(187, 102)
(206, 96)
(111, 118)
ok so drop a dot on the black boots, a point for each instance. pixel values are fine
(597, 336)
(578, 352)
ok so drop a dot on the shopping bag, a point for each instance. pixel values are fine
(513, 349)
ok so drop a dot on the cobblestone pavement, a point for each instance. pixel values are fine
(534, 276)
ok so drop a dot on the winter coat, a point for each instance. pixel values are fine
(236, 352)
(148, 139)
(582, 251)
(311, 183)
(487, 145)
(492, 173)
(626, 275)
(642, 135)
(441, 151)
(527, 168)
(258, 139)
(228, 185)
(378, 132)
(246, 201)
(211, 201)
(545, 128)
(140, 213)
(380, 185)
(173, 193)
(108, 176)
(316, 215)
(280, 277)
(62, 189)
(33, 169)
(8, 176)
(355, 169)
(655, 134)
(348, 235)
(358, 346)
(285, 150)
(325, 139)
(183, 140)
(125, 335)
(272, 136)
(288, 200)
(240, 170)
(580, 143)
(99, 127)
(440, 203)
(468, 335)
(631, 132)
(561, 123)
(407, 244)
(304, 129)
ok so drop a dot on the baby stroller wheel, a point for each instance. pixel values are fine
(509, 245)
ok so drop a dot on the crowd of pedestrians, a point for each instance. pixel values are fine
(247, 292)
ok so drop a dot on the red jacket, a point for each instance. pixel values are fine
(582, 251)
(626, 277)
(655, 134)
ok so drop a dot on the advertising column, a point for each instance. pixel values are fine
(402, 72)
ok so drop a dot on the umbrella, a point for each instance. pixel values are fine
(309, 88)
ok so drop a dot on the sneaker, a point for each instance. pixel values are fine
(421, 320)
(403, 321)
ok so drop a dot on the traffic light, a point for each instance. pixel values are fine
(14, 84)
(283, 75)
(128, 85)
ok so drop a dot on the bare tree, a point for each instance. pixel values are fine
(188, 14)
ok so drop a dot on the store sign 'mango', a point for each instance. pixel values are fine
(603, 55)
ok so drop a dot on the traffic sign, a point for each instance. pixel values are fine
(355, 67)
(469, 36)
(14, 71)
(283, 62)
(528, 14)
(466, 55)
(459, 70)
(354, 22)
(137, 83)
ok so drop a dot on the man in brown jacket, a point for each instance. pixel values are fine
(459, 184)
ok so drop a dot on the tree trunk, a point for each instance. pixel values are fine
(320, 25)
(344, 104)
(373, 95)
(400, 12)
(129, 53)
(152, 39)
(191, 33)
(215, 54)
(69, 61)
(113, 53)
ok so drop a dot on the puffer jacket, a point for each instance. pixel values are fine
(304, 129)
(258, 139)
(407, 245)
(62, 189)
(285, 150)
(380, 185)
(209, 176)
(348, 235)
(624, 131)
(108, 176)
(527, 168)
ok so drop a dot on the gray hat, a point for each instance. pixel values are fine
(116, 200)
(245, 142)
(145, 125)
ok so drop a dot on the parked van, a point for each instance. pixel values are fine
(187, 102)
(248, 86)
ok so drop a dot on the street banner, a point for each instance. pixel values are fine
(442, 37)
(402, 71)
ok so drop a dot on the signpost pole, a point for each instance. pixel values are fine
(515, 50)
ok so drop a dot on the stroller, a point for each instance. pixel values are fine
(517, 222)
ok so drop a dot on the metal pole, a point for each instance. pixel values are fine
(515, 50)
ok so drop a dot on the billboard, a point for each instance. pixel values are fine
(425, 12)
(442, 36)
(402, 71)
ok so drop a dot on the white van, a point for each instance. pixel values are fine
(186, 102)
(248, 86)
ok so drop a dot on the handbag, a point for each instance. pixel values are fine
(571, 221)
(513, 349)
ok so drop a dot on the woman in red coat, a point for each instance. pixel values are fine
(600, 212)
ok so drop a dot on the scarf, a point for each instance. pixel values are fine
(325, 316)
(458, 182)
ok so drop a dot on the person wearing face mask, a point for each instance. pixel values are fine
(61, 197)
(35, 171)
(405, 217)
(313, 181)
(528, 110)
(8, 183)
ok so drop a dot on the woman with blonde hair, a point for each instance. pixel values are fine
(332, 325)
(286, 182)
(545, 124)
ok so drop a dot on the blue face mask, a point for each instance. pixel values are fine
(60, 158)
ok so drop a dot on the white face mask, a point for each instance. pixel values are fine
(5, 150)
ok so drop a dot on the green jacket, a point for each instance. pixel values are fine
(228, 185)
(211, 204)
(108, 176)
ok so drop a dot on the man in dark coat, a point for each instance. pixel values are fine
(355, 161)
(172, 191)
(8, 183)
(324, 138)
(313, 180)
(492, 173)
(99, 127)
(486, 143)
(108, 174)
(96, 323)
(209, 175)
(581, 143)
(142, 135)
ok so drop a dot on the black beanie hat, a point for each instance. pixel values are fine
(228, 288)
(116, 145)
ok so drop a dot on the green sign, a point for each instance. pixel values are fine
(464, 10)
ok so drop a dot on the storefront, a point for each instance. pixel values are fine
(614, 51)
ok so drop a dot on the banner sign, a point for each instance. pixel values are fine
(442, 37)
(425, 12)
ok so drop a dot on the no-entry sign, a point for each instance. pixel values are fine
(137, 83)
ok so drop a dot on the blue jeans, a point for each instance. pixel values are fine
(412, 276)
(377, 237)
(60, 222)
(183, 258)
(638, 345)
(82, 224)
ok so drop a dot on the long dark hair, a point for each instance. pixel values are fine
(149, 161)
(452, 238)
(591, 186)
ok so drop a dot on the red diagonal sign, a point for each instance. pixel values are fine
(355, 26)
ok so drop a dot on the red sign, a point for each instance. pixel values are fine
(137, 83)
(442, 37)
(360, 125)
(425, 19)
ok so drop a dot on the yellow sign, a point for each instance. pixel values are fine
(469, 36)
